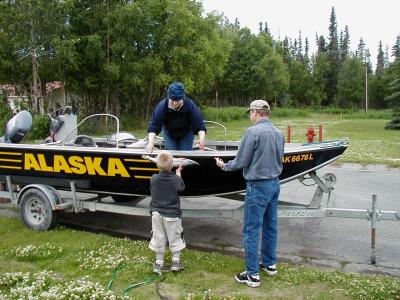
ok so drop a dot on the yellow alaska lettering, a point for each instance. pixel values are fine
(43, 164)
(30, 162)
(115, 166)
(77, 165)
(60, 164)
(93, 166)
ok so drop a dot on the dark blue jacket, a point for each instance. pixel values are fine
(178, 123)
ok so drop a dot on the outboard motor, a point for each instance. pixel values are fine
(17, 127)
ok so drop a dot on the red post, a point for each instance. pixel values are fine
(310, 134)
(288, 134)
(320, 133)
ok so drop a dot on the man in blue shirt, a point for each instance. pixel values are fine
(179, 118)
(260, 156)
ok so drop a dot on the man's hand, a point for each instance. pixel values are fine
(201, 144)
(150, 147)
(179, 170)
(220, 162)
(150, 143)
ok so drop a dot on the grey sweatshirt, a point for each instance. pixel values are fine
(165, 188)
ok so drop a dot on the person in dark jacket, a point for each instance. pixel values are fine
(165, 209)
(179, 118)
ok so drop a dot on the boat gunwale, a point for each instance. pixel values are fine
(289, 149)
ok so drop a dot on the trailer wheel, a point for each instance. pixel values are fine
(36, 211)
(124, 199)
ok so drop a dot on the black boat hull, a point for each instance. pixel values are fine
(125, 172)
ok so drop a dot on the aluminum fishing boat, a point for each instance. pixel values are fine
(119, 165)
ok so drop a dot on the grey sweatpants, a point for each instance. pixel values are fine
(166, 231)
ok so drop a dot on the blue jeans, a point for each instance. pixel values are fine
(183, 143)
(260, 212)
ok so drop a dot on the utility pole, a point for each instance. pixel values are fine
(366, 87)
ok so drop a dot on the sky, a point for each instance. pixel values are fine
(373, 20)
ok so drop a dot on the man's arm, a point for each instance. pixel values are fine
(155, 125)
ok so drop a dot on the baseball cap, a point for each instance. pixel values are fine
(259, 104)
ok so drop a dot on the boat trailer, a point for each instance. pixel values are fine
(41, 203)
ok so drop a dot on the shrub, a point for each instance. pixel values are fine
(5, 115)
(40, 127)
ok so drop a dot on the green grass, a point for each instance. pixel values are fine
(84, 267)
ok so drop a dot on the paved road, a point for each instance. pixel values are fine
(327, 242)
(348, 239)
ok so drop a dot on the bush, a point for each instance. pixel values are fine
(232, 113)
(356, 113)
(5, 115)
(224, 114)
(40, 127)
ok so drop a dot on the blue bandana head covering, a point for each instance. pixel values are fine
(176, 91)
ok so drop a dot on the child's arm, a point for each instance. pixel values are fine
(178, 171)
(180, 184)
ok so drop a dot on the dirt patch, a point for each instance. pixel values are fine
(9, 210)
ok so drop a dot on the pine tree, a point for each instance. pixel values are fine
(266, 29)
(307, 55)
(344, 44)
(396, 48)
(387, 61)
(360, 52)
(380, 61)
(286, 52)
(394, 96)
(333, 57)
(299, 54)
(321, 44)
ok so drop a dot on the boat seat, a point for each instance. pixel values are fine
(84, 141)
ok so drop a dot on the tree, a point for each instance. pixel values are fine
(320, 70)
(380, 61)
(321, 44)
(396, 48)
(28, 31)
(333, 57)
(344, 44)
(394, 95)
(351, 80)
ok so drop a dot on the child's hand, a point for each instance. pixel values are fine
(179, 170)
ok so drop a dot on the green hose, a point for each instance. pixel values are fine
(135, 285)
(132, 286)
(114, 275)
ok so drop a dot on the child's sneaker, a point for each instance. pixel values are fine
(176, 266)
(250, 280)
(158, 268)
(271, 270)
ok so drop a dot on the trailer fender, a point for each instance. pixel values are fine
(50, 192)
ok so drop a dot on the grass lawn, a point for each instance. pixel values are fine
(69, 264)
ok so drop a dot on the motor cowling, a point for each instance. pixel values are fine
(17, 127)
